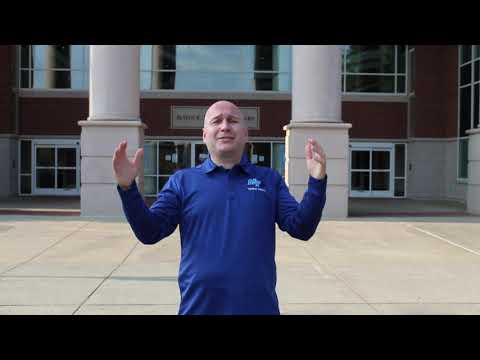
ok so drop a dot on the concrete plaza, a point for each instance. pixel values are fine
(365, 265)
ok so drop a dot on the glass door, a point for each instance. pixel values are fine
(56, 169)
(200, 153)
(371, 169)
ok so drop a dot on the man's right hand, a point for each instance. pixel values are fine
(126, 171)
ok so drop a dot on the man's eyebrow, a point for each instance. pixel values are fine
(228, 116)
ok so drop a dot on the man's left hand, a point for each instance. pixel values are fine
(316, 159)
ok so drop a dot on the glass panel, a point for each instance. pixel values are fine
(266, 81)
(476, 70)
(463, 159)
(477, 51)
(371, 59)
(380, 181)
(150, 185)
(166, 158)
(399, 187)
(266, 57)
(399, 160)
(62, 79)
(164, 57)
(145, 80)
(184, 155)
(25, 184)
(401, 84)
(412, 71)
(465, 110)
(260, 154)
(26, 157)
(360, 159)
(360, 181)
(66, 179)
(25, 56)
(279, 158)
(476, 98)
(401, 59)
(466, 74)
(150, 158)
(24, 79)
(45, 156)
(370, 83)
(381, 160)
(465, 53)
(201, 153)
(162, 180)
(67, 157)
(45, 178)
(62, 56)
(163, 80)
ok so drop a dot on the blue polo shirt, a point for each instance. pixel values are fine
(227, 229)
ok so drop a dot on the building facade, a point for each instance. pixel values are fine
(410, 107)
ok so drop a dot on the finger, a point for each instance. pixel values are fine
(317, 157)
(138, 158)
(308, 150)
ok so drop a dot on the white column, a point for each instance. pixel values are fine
(316, 113)
(473, 186)
(316, 83)
(114, 115)
(114, 82)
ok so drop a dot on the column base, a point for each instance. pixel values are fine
(98, 190)
(334, 139)
(473, 186)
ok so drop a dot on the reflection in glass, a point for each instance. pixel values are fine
(361, 160)
(380, 181)
(45, 178)
(201, 153)
(26, 157)
(259, 154)
(279, 158)
(150, 185)
(25, 184)
(371, 59)
(399, 160)
(66, 179)
(399, 187)
(46, 157)
(380, 160)
(360, 181)
(370, 83)
(463, 155)
(150, 158)
(67, 157)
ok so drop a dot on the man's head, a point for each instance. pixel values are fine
(225, 131)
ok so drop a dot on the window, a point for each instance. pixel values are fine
(25, 154)
(377, 69)
(54, 66)
(469, 104)
(215, 67)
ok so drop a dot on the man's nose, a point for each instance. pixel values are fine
(225, 125)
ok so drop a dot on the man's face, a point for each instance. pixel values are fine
(225, 131)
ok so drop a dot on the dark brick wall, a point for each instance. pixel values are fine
(7, 53)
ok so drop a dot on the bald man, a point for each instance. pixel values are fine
(226, 209)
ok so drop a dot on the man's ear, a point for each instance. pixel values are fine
(203, 134)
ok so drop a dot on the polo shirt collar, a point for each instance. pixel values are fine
(208, 165)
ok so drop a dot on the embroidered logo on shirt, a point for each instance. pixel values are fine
(254, 184)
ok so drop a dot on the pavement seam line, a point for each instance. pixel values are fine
(43, 251)
(105, 279)
(339, 278)
(443, 239)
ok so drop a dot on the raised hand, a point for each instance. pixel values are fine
(316, 159)
(126, 171)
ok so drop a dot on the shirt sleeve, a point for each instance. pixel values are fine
(151, 225)
(300, 220)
